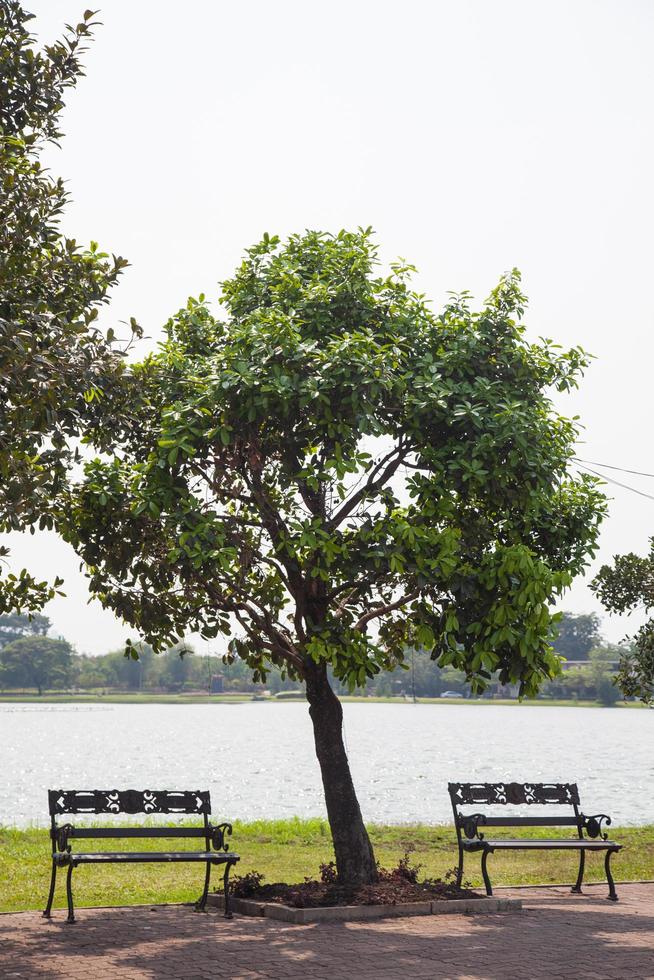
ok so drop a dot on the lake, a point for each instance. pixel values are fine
(258, 759)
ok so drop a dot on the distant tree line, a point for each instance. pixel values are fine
(32, 660)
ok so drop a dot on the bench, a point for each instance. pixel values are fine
(590, 835)
(87, 802)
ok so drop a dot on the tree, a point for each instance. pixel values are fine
(602, 680)
(36, 661)
(131, 674)
(626, 585)
(14, 625)
(335, 474)
(55, 363)
(176, 668)
(577, 634)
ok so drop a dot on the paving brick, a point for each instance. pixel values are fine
(557, 935)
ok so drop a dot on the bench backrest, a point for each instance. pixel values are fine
(119, 801)
(513, 794)
(128, 801)
(517, 794)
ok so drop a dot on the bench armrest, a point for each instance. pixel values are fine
(470, 824)
(60, 837)
(218, 834)
(593, 825)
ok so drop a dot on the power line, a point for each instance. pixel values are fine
(606, 466)
(609, 479)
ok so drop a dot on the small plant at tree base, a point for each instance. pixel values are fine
(393, 886)
(404, 869)
(331, 474)
(328, 873)
(244, 886)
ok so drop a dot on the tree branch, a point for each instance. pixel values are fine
(388, 466)
(381, 610)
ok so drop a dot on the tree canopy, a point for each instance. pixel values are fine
(576, 635)
(55, 363)
(328, 473)
(36, 661)
(13, 626)
(332, 456)
(622, 587)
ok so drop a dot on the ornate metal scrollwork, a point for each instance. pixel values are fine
(470, 823)
(128, 801)
(516, 794)
(218, 834)
(593, 825)
(61, 835)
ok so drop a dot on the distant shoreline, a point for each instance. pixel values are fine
(246, 698)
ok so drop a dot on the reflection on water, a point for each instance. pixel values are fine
(258, 759)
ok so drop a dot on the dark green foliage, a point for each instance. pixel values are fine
(626, 585)
(342, 474)
(36, 662)
(607, 692)
(55, 364)
(577, 634)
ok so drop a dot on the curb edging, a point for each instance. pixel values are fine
(353, 913)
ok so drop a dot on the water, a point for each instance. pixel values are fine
(258, 759)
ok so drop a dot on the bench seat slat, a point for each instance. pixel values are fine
(540, 845)
(144, 857)
(100, 832)
(553, 821)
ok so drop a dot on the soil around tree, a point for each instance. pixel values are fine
(394, 887)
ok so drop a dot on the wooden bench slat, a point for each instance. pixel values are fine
(98, 833)
(141, 857)
(554, 821)
(554, 844)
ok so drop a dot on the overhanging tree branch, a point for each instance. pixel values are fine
(382, 610)
(388, 466)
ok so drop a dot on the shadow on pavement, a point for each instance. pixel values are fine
(573, 936)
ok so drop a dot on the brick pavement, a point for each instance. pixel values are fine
(556, 935)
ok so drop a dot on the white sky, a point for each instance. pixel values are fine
(472, 135)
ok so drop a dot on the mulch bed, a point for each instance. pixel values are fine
(394, 887)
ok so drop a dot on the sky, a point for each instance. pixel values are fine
(472, 136)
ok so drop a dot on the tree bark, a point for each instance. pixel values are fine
(355, 860)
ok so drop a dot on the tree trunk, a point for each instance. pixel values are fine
(355, 860)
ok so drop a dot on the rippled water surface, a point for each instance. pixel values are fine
(258, 759)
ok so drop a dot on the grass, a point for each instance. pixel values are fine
(120, 697)
(287, 850)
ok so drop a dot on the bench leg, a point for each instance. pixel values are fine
(202, 901)
(53, 878)
(228, 907)
(69, 894)
(576, 888)
(484, 871)
(459, 870)
(613, 895)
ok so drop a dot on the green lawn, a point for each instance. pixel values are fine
(143, 697)
(287, 850)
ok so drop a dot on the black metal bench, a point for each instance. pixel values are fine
(130, 801)
(590, 835)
